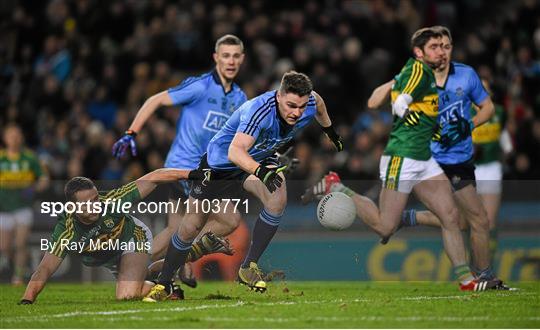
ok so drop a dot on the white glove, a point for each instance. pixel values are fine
(401, 105)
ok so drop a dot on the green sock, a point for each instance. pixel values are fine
(463, 273)
(342, 188)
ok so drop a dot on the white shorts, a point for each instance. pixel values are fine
(20, 217)
(142, 234)
(489, 178)
(402, 174)
(145, 234)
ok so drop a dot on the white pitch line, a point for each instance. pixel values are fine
(333, 319)
(237, 304)
(125, 311)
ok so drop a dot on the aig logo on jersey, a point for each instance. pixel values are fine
(214, 121)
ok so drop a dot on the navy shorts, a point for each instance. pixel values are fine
(460, 175)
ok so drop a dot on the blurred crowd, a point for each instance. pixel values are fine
(74, 73)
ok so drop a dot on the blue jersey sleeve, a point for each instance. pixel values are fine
(478, 92)
(255, 117)
(187, 92)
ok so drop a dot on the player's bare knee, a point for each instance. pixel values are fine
(126, 295)
(385, 230)
(450, 217)
(130, 290)
(234, 221)
(277, 204)
(189, 231)
(479, 223)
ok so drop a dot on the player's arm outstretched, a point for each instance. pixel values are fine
(323, 119)
(148, 108)
(380, 95)
(46, 268)
(147, 183)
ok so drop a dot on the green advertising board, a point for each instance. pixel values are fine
(414, 259)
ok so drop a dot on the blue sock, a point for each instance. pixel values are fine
(408, 218)
(486, 274)
(176, 256)
(263, 232)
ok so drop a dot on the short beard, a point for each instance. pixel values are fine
(433, 66)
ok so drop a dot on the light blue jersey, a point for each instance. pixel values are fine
(205, 109)
(258, 117)
(462, 88)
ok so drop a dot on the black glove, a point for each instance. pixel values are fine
(460, 129)
(441, 138)
(25, 302)
(437, 133)
(284, 159)
(334, 137)
(204, 175)
(412, 118)
(270, 176)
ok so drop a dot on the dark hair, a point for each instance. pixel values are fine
(229, 39)
(296, 83)
(421, 37)
(75, 185)
(443, 30)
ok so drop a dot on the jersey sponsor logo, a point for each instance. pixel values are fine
(212, 100)
(452, 112)
(214, 121)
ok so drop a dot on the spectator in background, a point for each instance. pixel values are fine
(60, 56)
(54, 60)
(21, 175)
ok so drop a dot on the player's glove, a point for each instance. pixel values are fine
(437, 133)
(204, 175)
(459, 129)
(270, 176)
(126, 141)
(25, 302)
(441, 138)
(334, 137)
(412, 118)
(284, 159)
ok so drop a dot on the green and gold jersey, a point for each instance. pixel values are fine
(104, 239)
(486, 137)
(413, 140)
(17, 174)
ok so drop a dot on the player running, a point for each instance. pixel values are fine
(407, 163)
(207, 102)
(20, 175)
(459, 88)
(105, 237)
(241, 156)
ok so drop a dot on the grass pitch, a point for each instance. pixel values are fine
(284, 305)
